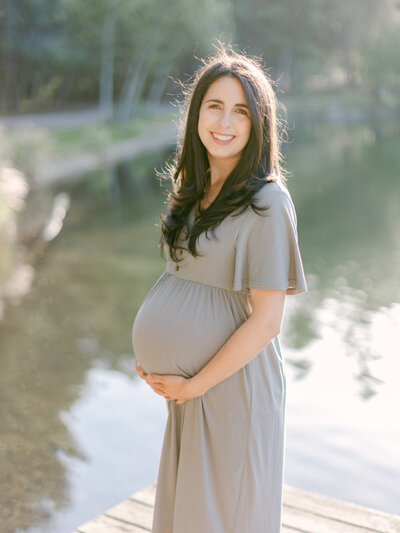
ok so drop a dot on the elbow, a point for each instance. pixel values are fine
(271, 330)
(271, 327)
(274, 327)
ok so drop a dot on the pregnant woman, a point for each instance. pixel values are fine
(206, 336)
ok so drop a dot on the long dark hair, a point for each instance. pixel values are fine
(260, 161)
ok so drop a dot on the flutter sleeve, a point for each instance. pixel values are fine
(267, 249)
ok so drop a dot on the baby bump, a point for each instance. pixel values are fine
(182, 324)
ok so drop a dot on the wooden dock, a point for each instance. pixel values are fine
(303, 512)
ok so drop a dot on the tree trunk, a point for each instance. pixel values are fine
(160, 81)
(66, 86)
(157, 89)
(137, 92)
(37, 82)
(132, 79)
(8, 59)
(284, 69)
(106, 102)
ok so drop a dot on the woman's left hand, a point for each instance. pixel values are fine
(170, 386)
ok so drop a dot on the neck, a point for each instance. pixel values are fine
(220, 169)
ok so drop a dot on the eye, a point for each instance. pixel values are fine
(242, 111)
(214, 106)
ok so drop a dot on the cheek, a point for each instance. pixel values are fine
(200, 131)
(245, 129)
(205, 119)
(203, 125)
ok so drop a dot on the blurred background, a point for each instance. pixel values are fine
(87, 92)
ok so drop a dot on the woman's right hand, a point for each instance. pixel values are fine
(143, 375)
(140, 371)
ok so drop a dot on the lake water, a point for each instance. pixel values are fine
(80, 431)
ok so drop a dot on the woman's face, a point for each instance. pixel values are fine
(224, 120)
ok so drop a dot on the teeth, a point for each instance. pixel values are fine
(223, 137)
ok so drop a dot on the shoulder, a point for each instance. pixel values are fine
(279, 215)
(273, 193)
(280, 209)
(276, 197)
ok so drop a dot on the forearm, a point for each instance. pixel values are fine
(247, 342)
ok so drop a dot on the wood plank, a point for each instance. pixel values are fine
(303, 512)
(146, 495)
(133, 512)
(288, 529)
(106, 524)
(285, 529)
(347, 512)
(313, 523)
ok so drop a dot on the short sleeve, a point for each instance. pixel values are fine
(267, 249)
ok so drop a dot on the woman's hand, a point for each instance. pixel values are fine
(171, 387)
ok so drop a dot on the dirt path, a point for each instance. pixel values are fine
(74, 166)
(62, 120)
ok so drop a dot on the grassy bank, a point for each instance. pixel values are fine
(102, 134)
(338, 104)
(36, 147)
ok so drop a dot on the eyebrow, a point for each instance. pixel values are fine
(221, 102)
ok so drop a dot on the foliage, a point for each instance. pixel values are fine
(125, 52)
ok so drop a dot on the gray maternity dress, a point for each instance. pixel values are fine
(221, 467)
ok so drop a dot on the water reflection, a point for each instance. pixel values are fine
(79, 311)
(95, 274)
(346, 194)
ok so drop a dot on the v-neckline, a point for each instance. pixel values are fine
(196, 210)
(197, 204)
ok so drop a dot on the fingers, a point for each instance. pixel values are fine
(155, 379)
(140, 371)
(155, 383)
(161, 392)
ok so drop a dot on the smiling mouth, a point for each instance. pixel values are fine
(222, 139)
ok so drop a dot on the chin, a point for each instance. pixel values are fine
(224, 154)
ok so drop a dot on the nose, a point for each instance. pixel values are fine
(226, 120)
